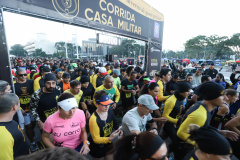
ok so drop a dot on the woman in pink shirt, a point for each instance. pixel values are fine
(67, 126)
(156, 77)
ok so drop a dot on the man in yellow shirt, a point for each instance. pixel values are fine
(39, 82)
(75, 89)
(98, 80)
(113, 92)
(165, 75)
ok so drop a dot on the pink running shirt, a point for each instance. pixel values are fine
(66, 133)
(153, 80)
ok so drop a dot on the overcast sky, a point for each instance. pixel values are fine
(183, 19)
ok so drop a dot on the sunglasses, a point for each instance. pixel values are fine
(21, 75)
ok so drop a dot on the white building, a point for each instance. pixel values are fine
(40, 42)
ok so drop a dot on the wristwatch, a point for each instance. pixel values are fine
(86, 142)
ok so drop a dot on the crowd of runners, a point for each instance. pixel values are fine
(86, 109)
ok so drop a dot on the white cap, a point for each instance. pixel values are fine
(68, 104)
(102, 70)
(147, 100)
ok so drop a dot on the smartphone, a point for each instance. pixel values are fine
(237, 71)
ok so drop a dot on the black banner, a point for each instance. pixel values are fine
(154, 59)
(132, 18)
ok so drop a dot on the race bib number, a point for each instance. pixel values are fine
(128, 95)
(50, 112)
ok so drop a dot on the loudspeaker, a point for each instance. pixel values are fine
(109, 58)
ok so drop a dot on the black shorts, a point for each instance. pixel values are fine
(127, 102)
(100, 150)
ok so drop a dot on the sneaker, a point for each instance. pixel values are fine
(33, 147)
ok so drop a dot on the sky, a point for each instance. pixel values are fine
(183, 20)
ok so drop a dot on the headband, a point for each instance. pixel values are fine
(68, 104)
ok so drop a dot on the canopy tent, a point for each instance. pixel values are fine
(174, 60)
(238, 61)
(201, 61)
(229, 63)
(165, 59)
(186, 60)
(217, 62)
(209, 61)
(193, 60)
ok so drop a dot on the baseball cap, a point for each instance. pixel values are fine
(58, 70)
(68, 104)
(33, 68)
(147, 100)
(70, 68)
(103, 71)
(74, 65)
(105, 100)
(146, 79)
(19, 60)
(117, 72)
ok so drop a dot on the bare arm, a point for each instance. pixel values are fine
(46, 140)
(85, 149)
(233, 124)
(124, 90)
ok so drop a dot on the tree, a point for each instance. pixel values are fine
(206, 47)
(196, 47)
(128, 48)
(39, 53)
(234, 43)
(18, 50)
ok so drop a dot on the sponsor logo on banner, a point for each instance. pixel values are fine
(66, 8)
(156, 29)
(154, 62)
(154, 50)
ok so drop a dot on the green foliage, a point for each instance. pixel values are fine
(211, 47)
(39, 53)
(128, 48)
(18, 50)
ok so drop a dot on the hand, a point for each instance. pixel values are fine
(229, 134)
(88, 115)
(114, 134)
(120, 134)
(154, 131)
(40, 125)
(172, 91)
(235, 72)
(161, 120)
(114, 105)
(133, 92)
(85, 149)
(23, 112)
(221, 80)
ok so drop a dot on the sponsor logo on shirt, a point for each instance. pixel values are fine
(62, 126)
(74, 124)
